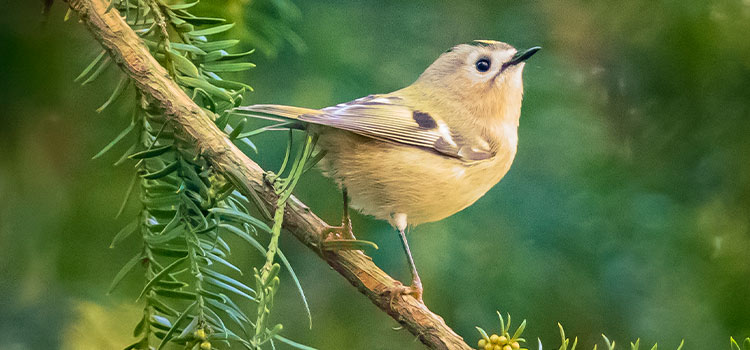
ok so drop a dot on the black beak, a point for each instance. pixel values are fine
(523, 56)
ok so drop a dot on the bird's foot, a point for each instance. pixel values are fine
(415, 290)
(342, 238)
(338, 232)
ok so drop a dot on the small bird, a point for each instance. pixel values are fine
(427, 151)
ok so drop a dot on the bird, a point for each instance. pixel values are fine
(426, 151)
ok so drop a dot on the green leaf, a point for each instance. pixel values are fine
(150, 153)
(248, 143)
(222, 261)
(227, 287)
(189, 328)
(208, 101)
(222, 120)
(105, 63)
(124, 81)
(203, 84)
(162, 172)
(176, 324)
(217, 45)
(212, 30)
(202, 20)
(348, 244)
(261, 130)
(214, 56)
(187, 48)
(140, 327)
(171, 284)
(161, 275)
(166, 202)
(289, 268)
(169, 233)
(293, 343)
(222, 55)
(169, 252)
(138, 343)
(234, 56)
(245, 236)
(237, 129)
(125, 155)
(160, 306)
(194, 179)
(183, 64)
(241, 217)
(234, 314)
(124, 271)
(127, 196)
(117, 139)
(519, 331)
(124, 233)
(183, 6)
(217, 321)
(175, 294)
(314, 160)
(227, 67)
(228, 84)
(91, 65)
(733, 344)
(227, 279)
(185, 28)
(274, 331)
(483, 334)
(160, 322)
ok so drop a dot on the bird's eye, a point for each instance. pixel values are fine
(483, 65)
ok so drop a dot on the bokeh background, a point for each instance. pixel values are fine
(626, 211)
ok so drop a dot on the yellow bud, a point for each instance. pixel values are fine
(481, 343)
(497, 347)
(493, 338)
(205, 345)
(200, 334)
(515, 345)
(488, 347)
(507, 347)
(502, 340)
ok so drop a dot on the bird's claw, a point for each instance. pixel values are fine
(415, 290)
(333, 234)
(338, 232)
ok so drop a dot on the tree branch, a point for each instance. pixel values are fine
(196, 126)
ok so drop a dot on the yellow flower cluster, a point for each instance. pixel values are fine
(497, 343)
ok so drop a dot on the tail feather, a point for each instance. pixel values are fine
(288, 112)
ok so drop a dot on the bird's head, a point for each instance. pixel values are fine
(484, 76)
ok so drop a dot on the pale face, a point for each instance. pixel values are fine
(485, 65)
(486, 70)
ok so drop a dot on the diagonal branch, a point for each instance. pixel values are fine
(197, 127)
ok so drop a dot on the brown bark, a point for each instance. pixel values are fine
(197, 127)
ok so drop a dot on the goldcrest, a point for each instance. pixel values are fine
(429, 150)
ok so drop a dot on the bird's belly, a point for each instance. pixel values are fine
(385, 179)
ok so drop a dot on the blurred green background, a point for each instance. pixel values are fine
(626, 210)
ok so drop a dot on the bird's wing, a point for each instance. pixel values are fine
(387, 118)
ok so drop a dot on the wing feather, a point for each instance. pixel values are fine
(386, 118)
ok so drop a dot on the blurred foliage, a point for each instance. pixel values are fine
(626, 211)
(191, 295)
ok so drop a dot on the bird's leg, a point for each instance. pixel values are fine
(415, 289)
(340, 232)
